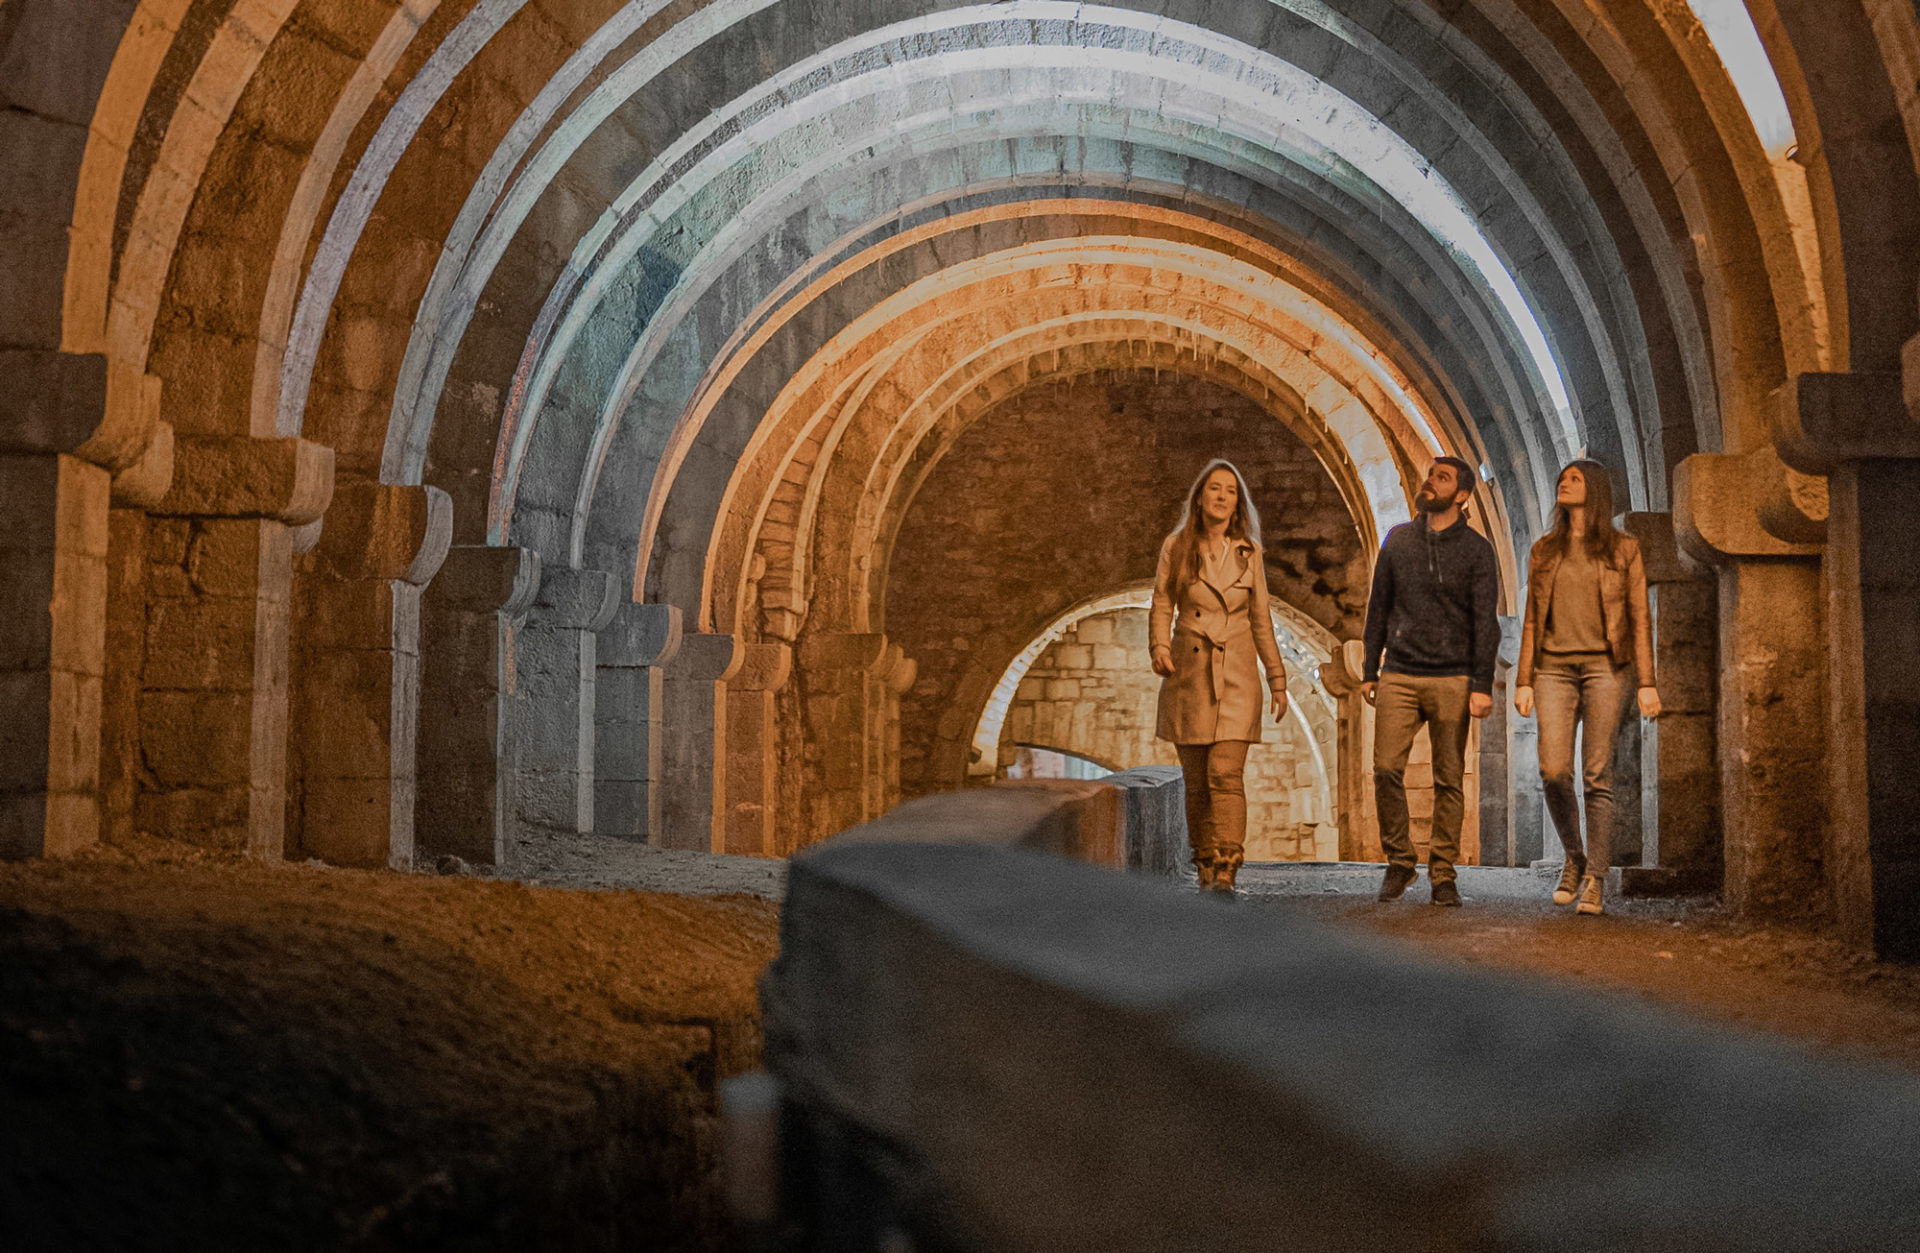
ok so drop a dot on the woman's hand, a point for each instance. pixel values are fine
(1279, 703)
(1649, 702)
(1162, 660)
(1523, 701)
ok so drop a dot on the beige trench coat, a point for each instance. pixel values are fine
(1214, 692)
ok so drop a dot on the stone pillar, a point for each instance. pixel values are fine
(627, 701)
(837, 686)
(897, 680)
(1863, 432)
(1495, 793)
(470, 615)
(1772, 677)
(56, 458)
(554, 660)
(356, 697)
(1353, 754)
(53, 593)
(1679, 770)
(136, 489)
(752, 764)
(214, 680)
(694, 774)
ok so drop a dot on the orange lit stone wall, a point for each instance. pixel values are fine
(1065, 492)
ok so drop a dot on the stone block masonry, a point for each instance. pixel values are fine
(1062, 493)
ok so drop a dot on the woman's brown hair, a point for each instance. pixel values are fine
(1244, 524)
(1601, 538)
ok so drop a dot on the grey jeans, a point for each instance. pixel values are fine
(1402, 703)
(1580, 691)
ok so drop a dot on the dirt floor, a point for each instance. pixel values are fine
(198, 1053)
(1686, 954)
(206, 1053)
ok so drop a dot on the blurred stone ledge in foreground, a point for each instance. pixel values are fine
(977, 1044)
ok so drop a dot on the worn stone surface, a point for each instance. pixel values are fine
(1060, 1059)
(631, 655)
(694, 728)
(470, 615)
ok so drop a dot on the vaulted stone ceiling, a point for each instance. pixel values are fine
(688, 299)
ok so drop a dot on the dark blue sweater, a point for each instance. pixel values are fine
(1435, 605)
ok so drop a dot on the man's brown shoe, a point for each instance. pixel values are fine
(1394, 885)
(1446, 892)
(1569, 886)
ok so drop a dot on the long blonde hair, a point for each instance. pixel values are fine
(1244, 524)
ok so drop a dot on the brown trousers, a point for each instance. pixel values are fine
(1215, 775)
(1401, 704)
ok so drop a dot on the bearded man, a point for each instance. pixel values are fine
(1433, 634)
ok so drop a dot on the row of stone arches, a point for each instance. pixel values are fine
(441, 414)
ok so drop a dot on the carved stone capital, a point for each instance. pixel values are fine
(710, 658)
(574, 600)
(221, 476)
(386, 531)
(1821, 420)
(842, 650)
(640, 635)
(144, 484)
(1718, 500)
(478, 578)
(763, 668)
(1660, 550)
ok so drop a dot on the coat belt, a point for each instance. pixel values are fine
(1218, 649)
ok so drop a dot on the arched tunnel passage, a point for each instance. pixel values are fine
(556, 399)
(594, 436)
(1062, 494)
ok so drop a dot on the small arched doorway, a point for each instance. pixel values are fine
(1083, 690)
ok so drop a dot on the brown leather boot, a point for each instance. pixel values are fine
(1226, 867)
(1203, 867)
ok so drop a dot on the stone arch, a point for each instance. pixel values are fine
(1305, 644)
(429, 177)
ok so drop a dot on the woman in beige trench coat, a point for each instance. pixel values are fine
(1212, 573)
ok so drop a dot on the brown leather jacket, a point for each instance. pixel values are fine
(1623, 601)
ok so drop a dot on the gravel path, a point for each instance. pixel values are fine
(566, 860)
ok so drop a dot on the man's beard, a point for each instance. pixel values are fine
(1426, 502)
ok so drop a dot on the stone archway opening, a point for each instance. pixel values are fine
(1084, 687)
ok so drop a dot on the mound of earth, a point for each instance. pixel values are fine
(204, 1053)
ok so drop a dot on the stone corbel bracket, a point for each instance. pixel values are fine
(1341, 675)
(575, 600)
(1821, 420)
(708, 658)
(219, 476)
(763, 668)
(386, 531)
(640, 635)
(481, 579)
(836, 650)
(1723, 503)
(899, 670)
(1660, 551)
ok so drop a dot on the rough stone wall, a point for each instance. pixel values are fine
(1093, 693)
(1065, 492)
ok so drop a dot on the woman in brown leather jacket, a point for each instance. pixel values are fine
(1587, 634)
(1213, 573)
